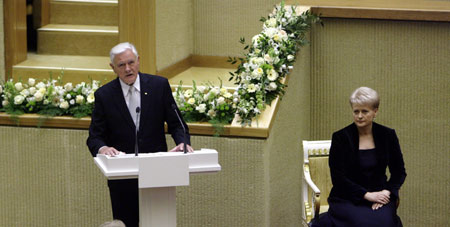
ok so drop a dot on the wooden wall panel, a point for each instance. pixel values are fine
(15, 33)
(137, 25)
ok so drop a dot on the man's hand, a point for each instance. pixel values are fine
(111, 151)
(180, 147)
(381, 197)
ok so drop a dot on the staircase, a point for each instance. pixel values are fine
(75, 44)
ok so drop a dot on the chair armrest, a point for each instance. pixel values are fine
(315, 192)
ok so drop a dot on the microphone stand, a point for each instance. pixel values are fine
(174, 107)
(138, 110)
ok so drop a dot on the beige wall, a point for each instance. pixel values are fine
(174, 31)
(218, 25)
(407, 63)
(2, 45)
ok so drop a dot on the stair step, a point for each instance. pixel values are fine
(94, 12)
(75, 69)
(91, 40)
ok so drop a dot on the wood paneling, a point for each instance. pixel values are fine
(45, 12)
(379, 9)
(176, 68)
(15, 23)
(137, 25)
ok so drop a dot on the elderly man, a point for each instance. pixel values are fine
(133, 100)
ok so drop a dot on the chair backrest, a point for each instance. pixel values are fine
(316, 156)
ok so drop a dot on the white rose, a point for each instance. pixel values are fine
(270, 32)
(18, 86)
(31, 81)
(40, 85)
(201, 108)
(68, 87)
(72, 102)
(283, 35)
(85, 91)
(25, 92)
(42, 90)
(220, 100)
(79, 99)
(188, 93)
(272, 22)
(91, 98)
(290, 57)
(235, 100)
(19, 99)
(38, 96)
(268, 59)
(215, 91)
(223, 91)
(64, 105)
(211, 113)
(32, 90)
(1, 89)
(201, 89)
(191, 101)
(273, 86)
(68, 96)
(228, 95)
(273, 75)
(5, 103)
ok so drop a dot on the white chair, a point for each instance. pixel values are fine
(316, 178)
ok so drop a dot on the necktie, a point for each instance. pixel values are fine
(132, 103)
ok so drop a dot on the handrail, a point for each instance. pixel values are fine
(416, 10)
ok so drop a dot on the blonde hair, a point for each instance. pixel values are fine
(365, 96)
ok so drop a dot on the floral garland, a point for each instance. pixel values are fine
(259, 77)
(271, 57)
(48, 98)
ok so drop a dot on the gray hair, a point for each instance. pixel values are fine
(120, 48)
(365, 95)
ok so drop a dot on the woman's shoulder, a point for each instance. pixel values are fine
(382, 128)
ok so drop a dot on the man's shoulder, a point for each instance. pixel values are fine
(104, 89)
(152, 78)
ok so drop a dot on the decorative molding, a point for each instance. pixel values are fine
(35, 120)
(420, 10)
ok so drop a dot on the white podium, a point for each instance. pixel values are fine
(158, 174)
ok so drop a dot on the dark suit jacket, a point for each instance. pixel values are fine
(112, 124)
(344, 163)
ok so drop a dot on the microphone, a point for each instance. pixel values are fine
(174, 107)
(138, 110)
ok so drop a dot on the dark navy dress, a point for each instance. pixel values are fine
(344, 213)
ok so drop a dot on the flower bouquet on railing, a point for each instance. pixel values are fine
(207, 103)
(270, 58)
(49, 98)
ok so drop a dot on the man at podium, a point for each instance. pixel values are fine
(129, 117)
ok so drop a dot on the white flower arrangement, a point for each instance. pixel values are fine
(270, 58)
(216, 105)
(48, 98)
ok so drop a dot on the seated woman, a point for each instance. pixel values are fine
(359, 155)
